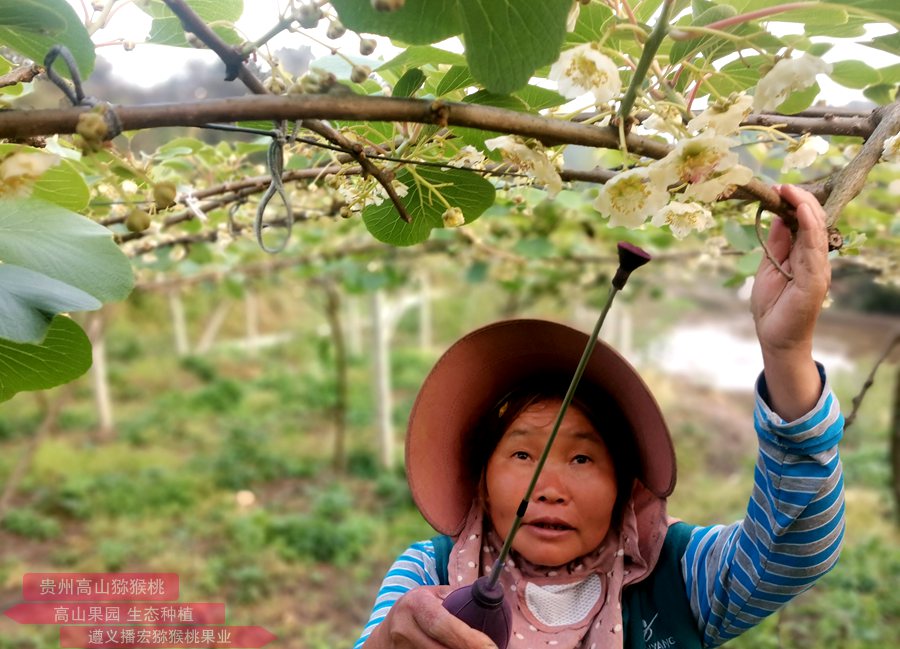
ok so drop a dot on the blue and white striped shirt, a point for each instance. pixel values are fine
(734, 575)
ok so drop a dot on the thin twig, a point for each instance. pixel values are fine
(22, 74)
(765, 248)
(52, 408)
(870, 380)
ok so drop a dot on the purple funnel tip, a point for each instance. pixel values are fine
(630, 258)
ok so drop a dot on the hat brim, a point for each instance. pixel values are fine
(482, 367)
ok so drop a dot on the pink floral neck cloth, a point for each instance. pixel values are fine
(578, 605)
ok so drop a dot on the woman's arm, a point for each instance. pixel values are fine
(737, 575)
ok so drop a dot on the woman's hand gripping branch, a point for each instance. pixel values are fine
(785, 311)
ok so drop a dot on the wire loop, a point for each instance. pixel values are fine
(76, 95)
(275, 162)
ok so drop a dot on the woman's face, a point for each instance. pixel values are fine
(571, 507)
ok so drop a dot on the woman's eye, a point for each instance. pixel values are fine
(581, 459)
(521, 455)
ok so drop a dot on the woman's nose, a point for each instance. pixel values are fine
(549, 487)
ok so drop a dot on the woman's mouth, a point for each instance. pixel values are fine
(550, 525)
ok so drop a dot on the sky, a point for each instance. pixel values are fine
(152, 64)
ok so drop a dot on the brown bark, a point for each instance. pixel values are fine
(895, 445)
(333, 313)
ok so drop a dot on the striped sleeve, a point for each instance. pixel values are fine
(415, 567)
(737, 575)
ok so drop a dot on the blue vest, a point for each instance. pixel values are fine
(656, 613)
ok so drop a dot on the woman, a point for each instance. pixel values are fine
(597, 562)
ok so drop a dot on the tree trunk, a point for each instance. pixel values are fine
(333, 312)
(382, 379)
(96, 331)
(53, 406)
(179, 323)
(895, 444)
(212, 327)
(354, 326)
(425, 326)
(251, 314)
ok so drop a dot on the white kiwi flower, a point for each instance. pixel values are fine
(584, 69)
(683, 218)
(630, 197)
(803, 153)
(785, 77)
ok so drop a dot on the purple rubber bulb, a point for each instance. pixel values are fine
(483, 608)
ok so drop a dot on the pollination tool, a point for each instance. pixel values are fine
(481, 604)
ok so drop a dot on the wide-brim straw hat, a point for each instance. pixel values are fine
(483, 367)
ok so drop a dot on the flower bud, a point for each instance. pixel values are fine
(275, 85)
(367, 46)
(453, 217)
(360, 73)
(309, 15)
(335, 30)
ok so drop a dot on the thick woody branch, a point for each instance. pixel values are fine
(828, 123)
(849, 181)
(549, 131)
(234, 64)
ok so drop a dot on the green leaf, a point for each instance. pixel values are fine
(740, 237)
(686, 49)
(799, 101)
(62, 183)
(537, 98)
(457, 77)
(29, 300)
(507, 40)
(850, 27)
(594, 21)
(409, 83)
(820, 49)
(644, 9)
(887, 9)
(63, 245)
(485, 98)
(167, 29)
(854, 74)
(419, 55)
(463, 189)
(882, 93)
(62, 356)
(534, 247)
(889, 43)
(32, 27)
(748, 263)
(419, 22)
(736, 76)
(890, 74)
